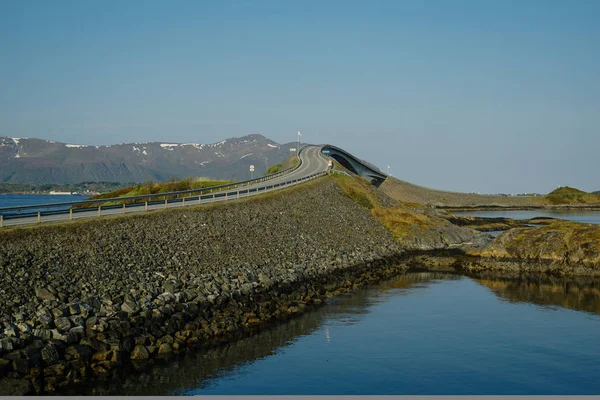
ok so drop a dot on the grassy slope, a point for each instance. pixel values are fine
(157, 188)
(402, 221)
(568, 195)
(290, 162)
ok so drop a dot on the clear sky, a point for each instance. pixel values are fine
(477, 96)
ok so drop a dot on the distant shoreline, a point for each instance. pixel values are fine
(47, 194)
(583, 207)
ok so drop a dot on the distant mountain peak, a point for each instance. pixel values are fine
(30, 160)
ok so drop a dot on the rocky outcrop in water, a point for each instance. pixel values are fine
(561, 246)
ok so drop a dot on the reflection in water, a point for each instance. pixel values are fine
(577, 294)
(195, 369)
(436, 333)
(585, 216)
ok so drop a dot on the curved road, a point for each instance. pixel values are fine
(313, 162)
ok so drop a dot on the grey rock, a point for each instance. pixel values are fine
(21, 366)
(50, 354)
(130, 307)
(43, 334)
(11, 330)
(78, 351)
(56, 334)
(60, 311)
(15, 387)
(63, 324)
(5, 368)
(91, 322)
(165, 349)
(74, 309)
(24, 327)
(44, 293)
(140, 353)
(14, 355)
(77, 320)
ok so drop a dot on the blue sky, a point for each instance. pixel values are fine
(476, 96)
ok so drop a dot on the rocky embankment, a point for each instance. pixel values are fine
(77, 300)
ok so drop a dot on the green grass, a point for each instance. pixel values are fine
(273, 169)
(290, 162)
(569, 195)
(156, 188)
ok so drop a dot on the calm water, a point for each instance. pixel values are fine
(11, 200)
(421, 333)
(590, 217)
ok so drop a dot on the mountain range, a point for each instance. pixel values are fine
(35, 161)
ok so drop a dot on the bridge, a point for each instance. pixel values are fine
(312, 164)
(355, 165)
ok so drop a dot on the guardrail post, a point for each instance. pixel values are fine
(146, 205)
(123, 208)
(238, 194)
(39, 217)
(71, 214)
(225, 196)
(183, 201)
(1, 220)
(99, 208)
(166, 202)
(213, 199)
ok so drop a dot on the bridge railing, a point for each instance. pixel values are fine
(115, 210)
(7, 213)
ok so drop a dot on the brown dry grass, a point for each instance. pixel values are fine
(410, 193)
(400, 220)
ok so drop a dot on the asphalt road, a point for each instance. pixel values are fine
(313, 162)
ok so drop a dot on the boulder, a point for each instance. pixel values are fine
(15, 387)
(50, 354)
(140, 353)
(44, 294)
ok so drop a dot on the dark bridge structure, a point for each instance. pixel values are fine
(354, 164)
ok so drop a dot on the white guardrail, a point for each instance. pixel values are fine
(146, 202)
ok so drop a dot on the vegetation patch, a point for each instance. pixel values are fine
(569, 195)
(358, 190)
(273, 169)
(162, 187)
(290, 162)
(403, 222)
(560, 241)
